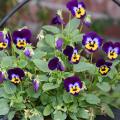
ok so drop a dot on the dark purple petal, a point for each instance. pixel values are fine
(57, 20)
(59, 44)
(1, 36)
(100, 62)
(2, 77)
(16, 71)
(68, 51)
(109, 64)
(35, 85)
(72, 80)
(71, 4)
(117, 45)
(60, 66)
(24, 33)
(107, 46)
(53, 63)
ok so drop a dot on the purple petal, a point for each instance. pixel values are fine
(35, 85)
(72, 80)
(100, 62)
(68, 51)
(60, 66)
(107, 46)
(57, 20)
(117, 45)
(109, 64)
(59, 44)
(53, 63)
(16, 71)
(24, 33)
(2, 77)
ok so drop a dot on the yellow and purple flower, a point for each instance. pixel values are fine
(91, 41)
(73, 85)
(112, 50)
(15, 75)
(104, 67)
(21, 38)
(4, 40)
(36, 85)
(57, 20)
(72, 54)
(77, 8)
(56, 64)
(59, 44)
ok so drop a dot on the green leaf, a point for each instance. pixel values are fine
(43, 78)
(22, 63)
(92, 99)
(72, 25)
(49, 86)
(37, 117)
(41, 65)
(83, 66)
(9, 87)
(108, 110)
(47, 110)
(11, 115)
(38, 54)
(7, 61)
(73, 108)
(67, 98)
(50, 40)
(4, 108)
(104, 86)
(58, 115)
(2, 92)
(82, 113)
(51, 29)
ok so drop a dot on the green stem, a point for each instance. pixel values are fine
(81, 27)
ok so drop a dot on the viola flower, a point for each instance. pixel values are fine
(104, 67)
(28, 52)
(112, 50)
(59, 43)
(15, 75)
(55, 64)
(77, 8)
(4, 39)
(92, 41)
(57, 20)
(2, 77)
(35, 85)
(72, 54)
(21, 38)
(73, 85)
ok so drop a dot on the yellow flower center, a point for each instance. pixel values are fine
(16, 80)
(80, 12)
(91, 46)
(112, 55)
(74, 89)
(21, 43)
(75, 57)
(104, 69)
(3, 45)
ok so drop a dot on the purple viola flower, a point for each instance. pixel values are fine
(21, 38)
(15, 75)
(55, 64)
(57, 20)
(77, 8)
(112, 50)
(91, 41)
(2, 77)
(35, 85)
(28, 52)
(72, 54)
(59, 43)
(104, 67)
(73, 85)
(5, 40)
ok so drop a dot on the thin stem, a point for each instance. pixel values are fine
(81, 27)
(12, 12)
(117, 2)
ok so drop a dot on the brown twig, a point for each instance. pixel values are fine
(117, 2)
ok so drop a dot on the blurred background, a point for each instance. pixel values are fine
(36, 13)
